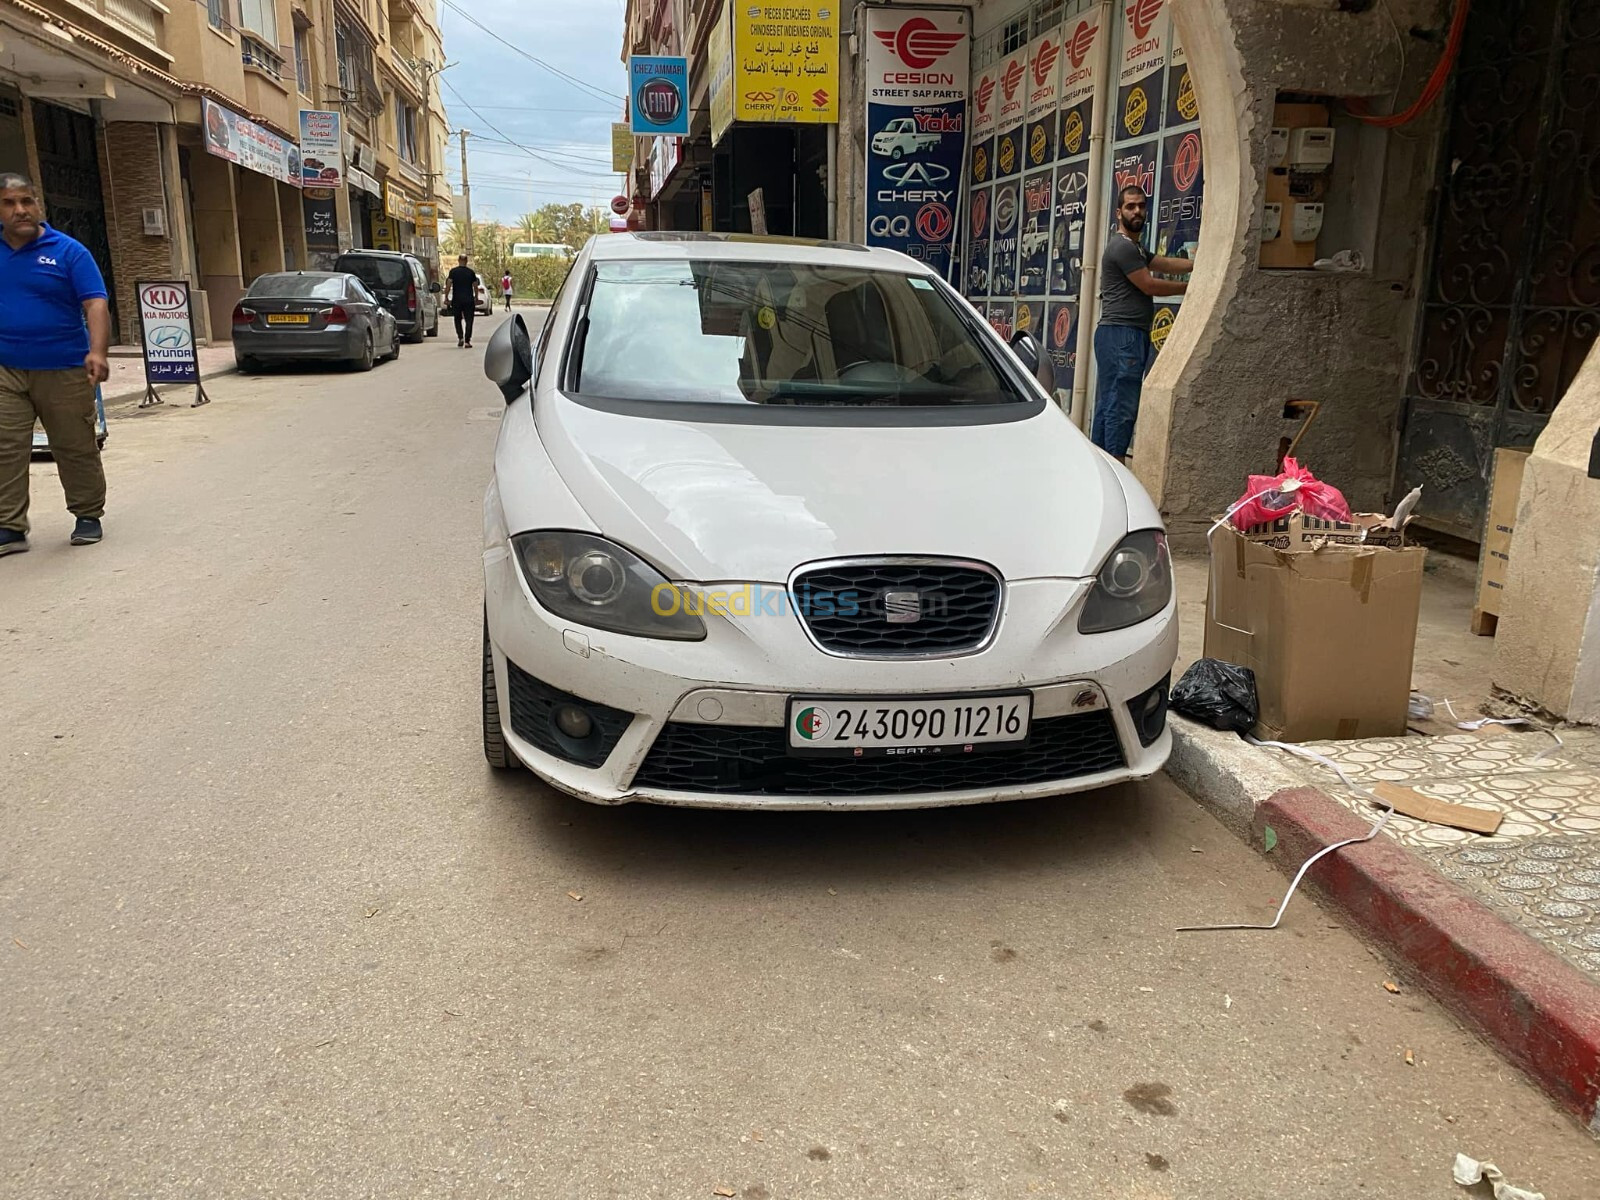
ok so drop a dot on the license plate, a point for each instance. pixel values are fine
(288, 319)
(868, 727)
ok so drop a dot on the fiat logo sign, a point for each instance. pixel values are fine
(660, 102)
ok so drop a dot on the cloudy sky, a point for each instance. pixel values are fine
(537, 137)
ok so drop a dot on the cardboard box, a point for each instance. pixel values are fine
(1300, 532)
(1329, 626)
(1505, 491)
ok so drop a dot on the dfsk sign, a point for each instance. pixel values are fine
(917, 71)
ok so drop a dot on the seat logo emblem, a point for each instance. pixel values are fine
(902, 608)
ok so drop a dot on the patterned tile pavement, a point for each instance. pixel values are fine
(1541, 870)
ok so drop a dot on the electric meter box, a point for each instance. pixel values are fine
(1311, 149)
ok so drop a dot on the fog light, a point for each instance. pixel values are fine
(573, 721)
(1149, 712)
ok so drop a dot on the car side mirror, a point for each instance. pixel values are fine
(435, 287)
(508, 361)
(1037, 362)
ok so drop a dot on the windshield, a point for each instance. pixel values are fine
(378, 272)
(779, 333)
(312, 287)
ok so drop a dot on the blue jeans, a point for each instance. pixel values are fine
(1123, 355)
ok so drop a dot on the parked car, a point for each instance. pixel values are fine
(400, 282)
(901, 137)
(786, 525)
(485, 299)
(295, 316)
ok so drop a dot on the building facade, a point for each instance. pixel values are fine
(167, 138)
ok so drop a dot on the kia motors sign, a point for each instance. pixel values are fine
(659, 91)
(166, 339)
(917, 73)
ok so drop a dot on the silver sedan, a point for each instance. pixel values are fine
(297, 316)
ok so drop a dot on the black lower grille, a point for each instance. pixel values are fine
(533, 718)
(750, 761)
(898, 609)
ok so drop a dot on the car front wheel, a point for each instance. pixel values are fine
(367, 357)
(499, 756)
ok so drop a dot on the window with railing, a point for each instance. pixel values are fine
(256, 53)
(260, 17)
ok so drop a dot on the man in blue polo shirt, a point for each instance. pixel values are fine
(53, 344)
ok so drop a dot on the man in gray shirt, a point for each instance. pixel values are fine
(1122, 348)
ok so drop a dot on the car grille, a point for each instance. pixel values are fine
(755, 761)
(533, 706)
(959, 607)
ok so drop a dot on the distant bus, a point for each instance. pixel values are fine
(540, 250)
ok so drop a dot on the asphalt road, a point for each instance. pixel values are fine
(269, 927)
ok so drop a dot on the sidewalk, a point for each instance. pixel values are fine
(126, 385)
(1504, 930)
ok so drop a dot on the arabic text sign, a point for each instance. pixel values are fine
(230, 136)
(658, 90)
(321, 149)
(786, 62)
(167, 329)
(720, 54)
(917, 71)
(621, 147)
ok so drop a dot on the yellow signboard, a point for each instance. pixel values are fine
(786, 62)
(719, 53)
(621, 147)
(397, 204)
(427, 220)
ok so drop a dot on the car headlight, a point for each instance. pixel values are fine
(1134, 584)
(593, 582)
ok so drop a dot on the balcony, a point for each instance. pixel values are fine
(139, 24)
(253, 52)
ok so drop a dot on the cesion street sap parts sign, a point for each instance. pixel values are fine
(917, 71)
(659, 88)
(168, 333)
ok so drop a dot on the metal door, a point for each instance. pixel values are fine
(1511, 300)
(69, 178)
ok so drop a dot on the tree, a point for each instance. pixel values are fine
(564, 224)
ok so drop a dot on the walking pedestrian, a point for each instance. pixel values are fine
(462, 285)
(1127, 308)
(505, 289)
(53, 344)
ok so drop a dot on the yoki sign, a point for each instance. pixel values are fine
(167, 333)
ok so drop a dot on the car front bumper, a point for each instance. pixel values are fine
(281, 345)
(691, 723)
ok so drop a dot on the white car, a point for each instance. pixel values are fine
(901, 137)
(784, 524)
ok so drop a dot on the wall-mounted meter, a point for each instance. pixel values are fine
(1277, 146)
(1271, 222)
(1311, 150)
(1305, 223)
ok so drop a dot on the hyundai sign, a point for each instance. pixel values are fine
(658, 90)
(168, 333)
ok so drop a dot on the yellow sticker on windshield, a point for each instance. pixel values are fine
(766, 318)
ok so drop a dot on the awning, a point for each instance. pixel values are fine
(363, 182)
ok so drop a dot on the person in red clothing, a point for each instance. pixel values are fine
(505, 289)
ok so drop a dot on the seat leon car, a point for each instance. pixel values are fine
(784, 524)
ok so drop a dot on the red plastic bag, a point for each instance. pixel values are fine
(1272, 496)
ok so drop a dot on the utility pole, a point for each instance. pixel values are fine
(466, 198)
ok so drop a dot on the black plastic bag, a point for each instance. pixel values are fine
(1218, 694)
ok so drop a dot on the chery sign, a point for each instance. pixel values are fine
(917, 72)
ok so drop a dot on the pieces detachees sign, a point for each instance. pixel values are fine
(167, 328)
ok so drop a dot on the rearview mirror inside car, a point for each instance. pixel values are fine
(1037, 362)
(508, 360)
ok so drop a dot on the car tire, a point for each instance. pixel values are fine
(247, 365)
(897, 154)
(394, 348)
(495, 750)
(364, 363)
(416, 335)
(433, 331)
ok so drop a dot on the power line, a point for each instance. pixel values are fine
(534, 154)
(572, 79)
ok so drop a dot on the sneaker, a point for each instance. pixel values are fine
(86, 532)
(13, 541)
(469, 343)
(460, 342)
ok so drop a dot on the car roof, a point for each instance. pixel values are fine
(362, 252)
(746, 247)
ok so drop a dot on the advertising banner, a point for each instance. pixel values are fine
(1033, 252)
(1066, 241)
(1044, 96)
(1007, 219)
(166, 328)
(1012, 104)
(1061, 340)
(1177, 218)
(621, 147)
(979, 235)
(658, 91)
(1000, 316)
(1028, 317)
(1077, 84)
(322, 220)
(1182, 104)
(397, 204)
(719, 54)
(230, 136)
(427, 220)
(916, 79)
(786, 62)
(1144, 61)
(321, 149)
(1131, 166)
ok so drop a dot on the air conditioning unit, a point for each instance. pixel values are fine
(155, 222)
(366, 160)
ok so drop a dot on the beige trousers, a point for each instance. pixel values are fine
(64, 402)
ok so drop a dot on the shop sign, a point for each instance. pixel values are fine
(322, 219)
(1182, 104)
(321, 148)
(786, 62)
(397, 204)
(1144, 61)
(719, 53)
(167, 333)
(426, 217)
(621, 147)
(659, 91)
(385, 233)
(1077, 83)
(230, 136)
(917, 71)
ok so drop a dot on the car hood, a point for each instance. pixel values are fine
(719, 501)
